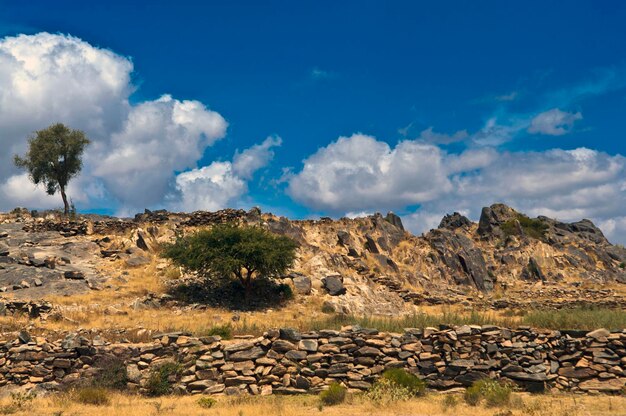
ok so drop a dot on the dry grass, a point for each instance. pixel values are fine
(434, 404)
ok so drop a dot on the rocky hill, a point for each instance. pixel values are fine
(365, 265)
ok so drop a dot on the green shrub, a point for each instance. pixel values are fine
(335, 394)
(402, 378)
(206, 402)
(622, 265)
(532, 227)
(225, 331)
(159, 383)
(111, 374)
(385, 392)
(493, 392)
(95, 396)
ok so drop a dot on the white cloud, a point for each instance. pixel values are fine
(553, 122)
(221, 184)
(429, 136)
(360, 173)
(255, 157)
(158, 138)
(208, 188)
(136, 148)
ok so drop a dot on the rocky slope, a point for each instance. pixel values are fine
(365, 265)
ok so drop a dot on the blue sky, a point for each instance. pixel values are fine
(478, 74)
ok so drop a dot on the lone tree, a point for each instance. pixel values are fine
(54, 157)
(244, 253)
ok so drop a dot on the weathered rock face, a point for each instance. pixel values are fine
(384, 268)
(463, 260)
(454, 221)
(491, 218)
(395, 220)
(289, 362)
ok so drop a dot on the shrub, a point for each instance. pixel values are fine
(622, 265)
(206, 402)
(402, 378)
(241, 253)
(96, 396)
(532, 227)
(159, 383)
(494, 392)
(385, 391)
(225, 331)
(111, 374)
(335, 394)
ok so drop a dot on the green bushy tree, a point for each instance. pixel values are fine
(53, 158)
(242, 253)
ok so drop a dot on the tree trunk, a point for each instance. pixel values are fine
(248, 289)
(66, 205)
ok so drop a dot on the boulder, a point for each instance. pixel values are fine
(370, 244)
(334, 285)
(302, 284)
(454, 221)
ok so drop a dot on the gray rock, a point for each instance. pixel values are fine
(74, 275)
(290, 334)
(598, 334)
(395, 220)
(302, 284)
(282, 346)
(24, 337)
(454, 221)
(370, 244)
(249, 354)
(334, 285)
(309, 345)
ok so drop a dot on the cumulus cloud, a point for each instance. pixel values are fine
(553, 122)
(221, 184)
(157, 138)
(136, 148)
(255, 157)
(361, 173)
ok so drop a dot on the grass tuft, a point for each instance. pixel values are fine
(335, 394)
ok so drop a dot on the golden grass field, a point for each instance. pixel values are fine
(431, 405)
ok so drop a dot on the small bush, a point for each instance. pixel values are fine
(385, 392)
(622, 265)
(225, 331)
(495, 393)
(111, 374)
(403, 378)
(159, 383)
(206, 402)
(95, 396)
(335, 394)
(534, 228)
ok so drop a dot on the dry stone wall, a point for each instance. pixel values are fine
(288, 362)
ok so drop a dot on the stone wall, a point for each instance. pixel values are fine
(288, 362)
